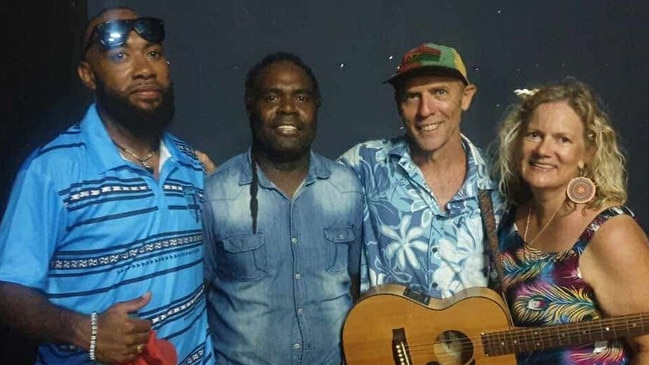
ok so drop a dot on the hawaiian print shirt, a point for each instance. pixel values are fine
(408, 238)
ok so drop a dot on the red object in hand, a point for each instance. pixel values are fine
(156, 352)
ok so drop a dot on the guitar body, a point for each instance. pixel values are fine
(393, 325)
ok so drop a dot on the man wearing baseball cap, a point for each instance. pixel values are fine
(424, 228)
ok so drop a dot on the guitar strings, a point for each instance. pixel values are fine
(533, 338)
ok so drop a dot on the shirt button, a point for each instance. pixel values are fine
(434, 249)
(300, 310)
(296, 346)
(298, 276)
(294, 240)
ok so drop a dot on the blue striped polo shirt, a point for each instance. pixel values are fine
(89, 229)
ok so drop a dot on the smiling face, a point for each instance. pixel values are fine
(553, 147)
(431, 108)
(283, 111)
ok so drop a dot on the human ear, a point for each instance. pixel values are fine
(467, 96)
(86, 75)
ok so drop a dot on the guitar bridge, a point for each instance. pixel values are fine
(400, 350)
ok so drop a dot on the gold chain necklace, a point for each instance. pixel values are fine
(143, 160)
(527, 225)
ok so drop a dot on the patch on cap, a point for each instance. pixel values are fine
(431, 56)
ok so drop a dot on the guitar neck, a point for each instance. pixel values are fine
(563, 335)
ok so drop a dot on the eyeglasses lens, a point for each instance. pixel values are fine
(151, 29)
(114, 33)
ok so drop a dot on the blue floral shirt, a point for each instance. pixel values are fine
(408, 238)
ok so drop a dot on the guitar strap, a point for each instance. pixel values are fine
(489, 224)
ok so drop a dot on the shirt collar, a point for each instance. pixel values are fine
(317, 169)
(476, 164)
(105, 155)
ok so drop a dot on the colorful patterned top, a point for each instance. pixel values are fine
(545, 288)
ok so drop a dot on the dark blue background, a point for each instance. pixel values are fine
(354, 45)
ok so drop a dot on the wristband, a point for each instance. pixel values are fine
(93, 335)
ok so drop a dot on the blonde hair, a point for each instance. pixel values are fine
(605, 168)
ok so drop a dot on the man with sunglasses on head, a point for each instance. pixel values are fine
(101, 242)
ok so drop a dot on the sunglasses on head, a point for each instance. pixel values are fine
(114, 33)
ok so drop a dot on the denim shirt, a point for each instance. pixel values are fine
(280, 295)
(408, 238)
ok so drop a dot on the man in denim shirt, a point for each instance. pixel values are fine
(282, 229)
(423, 228)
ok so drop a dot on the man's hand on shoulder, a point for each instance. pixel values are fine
(208, 165)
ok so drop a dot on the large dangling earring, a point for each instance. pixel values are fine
(581, 189)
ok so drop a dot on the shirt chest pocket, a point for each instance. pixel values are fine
(338, 240)
(243, 257)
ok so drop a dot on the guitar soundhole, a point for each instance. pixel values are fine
(453, 348)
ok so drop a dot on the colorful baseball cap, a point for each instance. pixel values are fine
(431, 57)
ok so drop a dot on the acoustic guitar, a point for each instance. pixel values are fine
(391, 324)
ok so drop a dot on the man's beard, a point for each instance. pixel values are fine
(140, 122)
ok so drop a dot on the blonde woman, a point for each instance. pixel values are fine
(571, 250)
